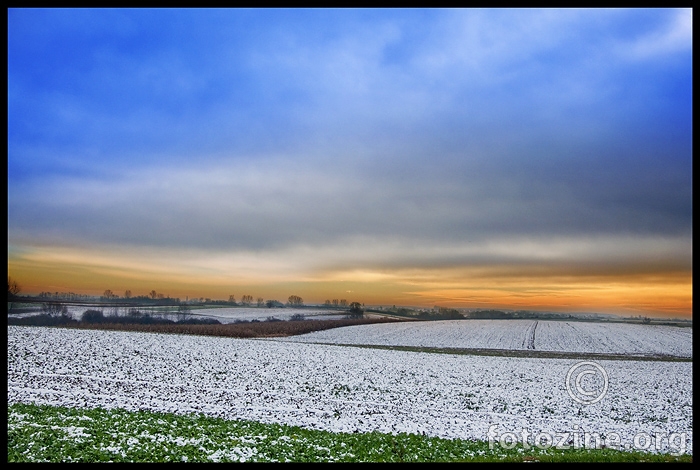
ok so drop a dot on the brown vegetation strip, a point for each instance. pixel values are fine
(526, 353)
(238, 330)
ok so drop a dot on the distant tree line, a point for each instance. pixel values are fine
(355, 309)
(152, 298)
(155, 298)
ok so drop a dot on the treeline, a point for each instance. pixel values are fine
(439, 313)
(159, 299)
(154, 299)
(443, 313)
(520, 314)
(52, 317)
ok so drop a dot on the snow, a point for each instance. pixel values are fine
(229, 315)
(223, 314)
(540, 335)
(342, 388)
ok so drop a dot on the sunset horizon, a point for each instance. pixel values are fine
(526, 159)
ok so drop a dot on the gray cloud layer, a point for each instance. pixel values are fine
(415, 130)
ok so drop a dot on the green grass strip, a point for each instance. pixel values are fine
(41, 433)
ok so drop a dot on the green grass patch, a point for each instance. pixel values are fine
(41, 433)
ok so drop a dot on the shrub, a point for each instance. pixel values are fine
(297, 317)
(199, 321)
(54, 309)
(135, 313)
(356, 310)
(92, 316)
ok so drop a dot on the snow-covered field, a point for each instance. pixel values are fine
(540, 335)
(343, 388)
(229, 315)
(223, 314)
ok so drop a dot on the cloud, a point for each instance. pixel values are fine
(274, 202)
(673, 36)
(214, 86)
(366, 143)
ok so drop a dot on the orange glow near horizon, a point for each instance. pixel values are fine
(665, 295)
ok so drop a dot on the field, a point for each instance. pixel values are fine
(345, 389)
(519, 335)
(222, 314)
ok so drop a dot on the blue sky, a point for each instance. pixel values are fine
(412, 156)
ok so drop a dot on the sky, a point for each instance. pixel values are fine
(536, 159)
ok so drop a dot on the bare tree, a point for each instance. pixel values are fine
(335, 302)
(108, 294)
(183, 312)
(343, 303)
(153, 294)
(13, 289)
(54, 309)
(261, 302)
(232, 299)
(247, 299)
(127, 294)
(295, 301)
(327, 303)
